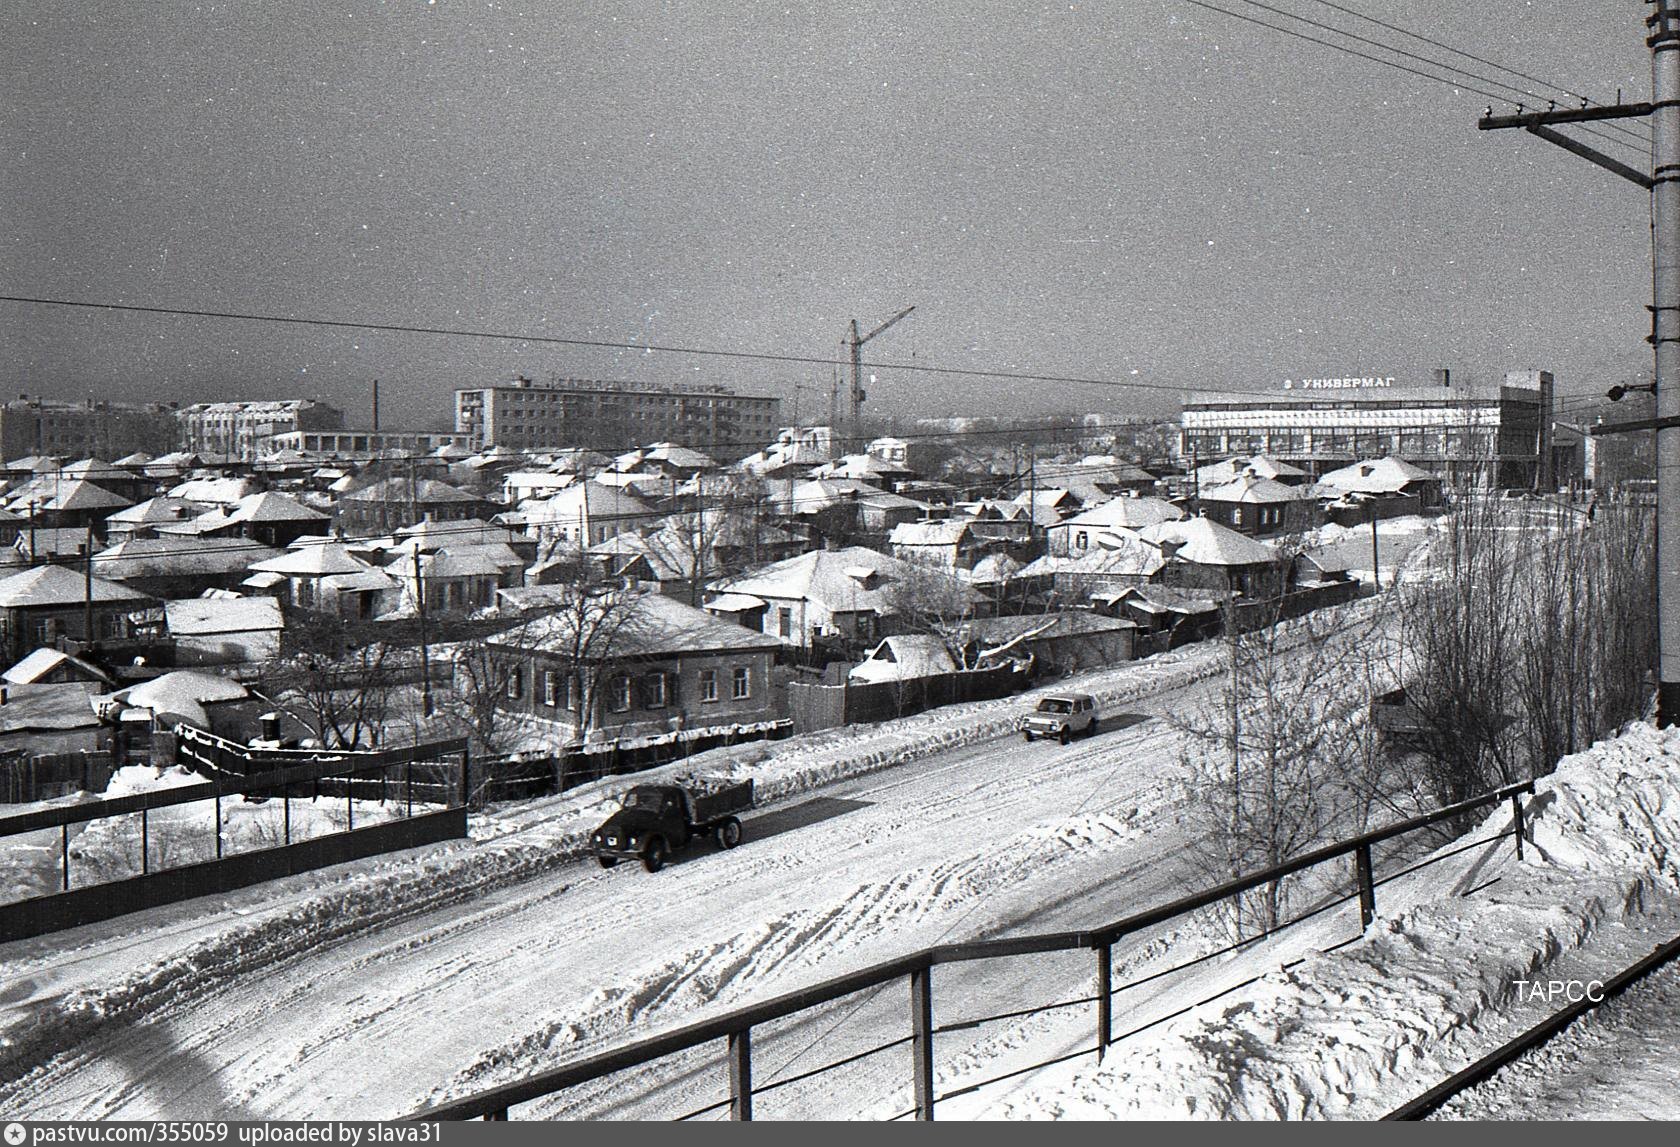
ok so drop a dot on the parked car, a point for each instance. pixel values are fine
(1061, 715)
(653, 821)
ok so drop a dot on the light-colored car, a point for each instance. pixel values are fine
(1061, 715)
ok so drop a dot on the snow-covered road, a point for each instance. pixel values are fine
(964, 843)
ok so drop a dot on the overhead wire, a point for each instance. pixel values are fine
(1445, 80)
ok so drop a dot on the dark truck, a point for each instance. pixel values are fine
(656, 820)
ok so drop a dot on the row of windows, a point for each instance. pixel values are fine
(557, 690)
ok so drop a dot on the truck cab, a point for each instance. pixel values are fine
(653, 821)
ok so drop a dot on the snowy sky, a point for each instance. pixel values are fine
(1139, 190)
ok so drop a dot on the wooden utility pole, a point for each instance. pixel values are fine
(425, 644)
(1663, 183)
(87, 588)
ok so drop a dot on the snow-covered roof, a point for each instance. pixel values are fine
(651, 624)
(272, 507)
(176, 556)
(847, 580)
(55, 585)
(213, 491)
(168, 693)
(1229, 470)
(1384, 476)
(902, 657)
(313, 561)
(42, 662)
(949, 532)
(204, 616)
(1254, 490)
(1207, 543)
(735, 603)
(160, 509)
(1126, 513)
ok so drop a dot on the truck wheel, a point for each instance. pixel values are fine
(1064, 738)
(606, 861)
(1028, 737)
(728, 834)
(653, 857)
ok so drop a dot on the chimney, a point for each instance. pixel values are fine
(1443, 376)
(268, 727)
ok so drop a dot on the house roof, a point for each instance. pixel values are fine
(206, 616)
(652, 625)
(853, 579)
(47, 708)
(1384, 476)
(1229, 470)
(467, 561)
(1135, 559)
(1126, 513)
(861, 466)
(272, 507)
(1254, 490)
(420, 490)
(1067, 623)
(1207, 543)
(160, 509)
(43, 662)
(135, 460)
(318, 560)
(180, 691)
(993, 569)
(568, 505)
(95, 470)
(55, 585)
(54, 493)
(178, 557)
(904, 656)
(679, 457)
(213, 491)
(949, 532)
(735, 603)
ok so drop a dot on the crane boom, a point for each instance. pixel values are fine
(854, 406)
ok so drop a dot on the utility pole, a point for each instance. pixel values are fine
(425, 645)
(854, 406)
(1376, 572)
(1663, 183)
(87, 588)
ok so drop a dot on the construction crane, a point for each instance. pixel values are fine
(855, 342)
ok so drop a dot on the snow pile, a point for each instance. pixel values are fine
(1431, 986)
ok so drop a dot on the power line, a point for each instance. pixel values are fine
(1446, 80)
(603, 344)
(1471, 56)
(1412, 56)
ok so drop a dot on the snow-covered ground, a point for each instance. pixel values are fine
(1435, 984)
(1618, 1062)
(370, 989)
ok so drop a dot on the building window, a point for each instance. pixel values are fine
(571, 692)
(550, 688)
(708, 685)
(1236, 516)
(516, 685)
(784, 621)
(655, 690)
(621, 694)
(742, 685)
(1081, 540)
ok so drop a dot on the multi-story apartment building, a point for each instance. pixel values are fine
(1496, 435)
(612, 415)
(368, 445)
(90, 429)
(247, 430)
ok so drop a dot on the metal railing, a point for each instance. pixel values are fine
(364, 775)
(736, 1027)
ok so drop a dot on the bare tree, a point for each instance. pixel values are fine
(929, 600)
(334, 678)
(1278, 761)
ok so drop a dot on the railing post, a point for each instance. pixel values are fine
(144, 857)
(408, 781)
(921, 1046)
(497, 1116)
(286, 811)
(350, 801)
(1367, 887)
(1517, 816)
(740, 1074)
(1105, 998)
(64, 852)
(218, 824)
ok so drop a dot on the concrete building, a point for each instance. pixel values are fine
(525, 415)
(247, 430)
(34, 426)
(1492, 435)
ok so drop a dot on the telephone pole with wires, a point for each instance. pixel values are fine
(1663, 182)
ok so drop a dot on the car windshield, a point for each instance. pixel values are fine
(1055, 705)
(642, 798)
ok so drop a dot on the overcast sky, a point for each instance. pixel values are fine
(1137, 190)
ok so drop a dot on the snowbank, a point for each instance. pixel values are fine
(1433, 983)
